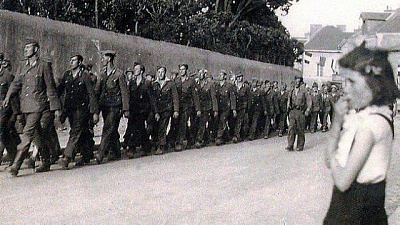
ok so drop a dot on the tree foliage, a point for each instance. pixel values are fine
(243, 28)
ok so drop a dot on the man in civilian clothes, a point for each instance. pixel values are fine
(113, 101)
(79, 104)
(34, 82)
(299, 106)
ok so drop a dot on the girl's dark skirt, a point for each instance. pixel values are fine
(361, 204)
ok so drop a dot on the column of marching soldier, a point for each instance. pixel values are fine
(175, 111)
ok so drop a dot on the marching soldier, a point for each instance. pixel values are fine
(79, 104)
(256, 107)
(34, 82)
(113, 101)
(269, 108)
(208, 105)
(188, 99)
(299, 106)
(141, 102)
(316, 107)
(8, 135)
(167, 100)
(327, 103)
(226, 103)
(282, 99)
(335, 96)
(242, 106)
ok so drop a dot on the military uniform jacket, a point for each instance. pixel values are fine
(188, 97)
(113, 90)
(226, 96)
(270, 102)
(301, 100)
(36, 87)
(167, 98)
(282, 98)
(316, 101)
(78, 93)
(207, 96)
(6, 77)
(141, 98)
(335, 97)
(256, 99)
(327, 102)
(243, 97)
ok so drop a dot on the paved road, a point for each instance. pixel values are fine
(255, 182)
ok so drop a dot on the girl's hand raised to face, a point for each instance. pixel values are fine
(341, 107)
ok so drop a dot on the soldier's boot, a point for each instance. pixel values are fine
(178, 147)
(99, 158)
(218, 142)
(64, 162)
(198, 144)
(19, 159)
(234, 139)
(45, 167)
(280, 133)
(160, 150)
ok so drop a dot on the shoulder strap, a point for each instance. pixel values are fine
(388, 120)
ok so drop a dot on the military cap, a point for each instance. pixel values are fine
(30, 40)
(108, 53)
(240, 74)
(334, 86)
(314, 84)
(129, 69)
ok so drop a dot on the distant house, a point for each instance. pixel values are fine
(379, 30)
(321, 53)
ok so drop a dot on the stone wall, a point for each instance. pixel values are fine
(60, 40)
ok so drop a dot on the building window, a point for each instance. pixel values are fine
(320, 70)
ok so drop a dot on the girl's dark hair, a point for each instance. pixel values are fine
(375, 66)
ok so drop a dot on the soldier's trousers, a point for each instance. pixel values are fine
(79, 134)
(296, 127)
(110, 136)
(184, 114)
(282, 121)
(137, 134)
(267, 125)
(204, 118)
(325, 120)
(222, 123)
(50, 138)
(8, 135)
(240, 119)
(255, 116)
(162, 128)
(314, 121)
(33, 131)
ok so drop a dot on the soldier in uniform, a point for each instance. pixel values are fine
(282, 99)
(141, 102)
(269, 108)
(34, 82)
(316, 107)
(8, 135)
(188, 99)
(79, 104)
(226, 103)
(299, 107)
(256, 107)
(208, 106)
(242, 106)
(327, 103)
(113, 101)
(167, 99)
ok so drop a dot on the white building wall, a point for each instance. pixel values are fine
(310, 70)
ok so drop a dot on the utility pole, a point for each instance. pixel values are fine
(96, 11)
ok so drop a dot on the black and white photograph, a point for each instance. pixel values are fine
(275, 112)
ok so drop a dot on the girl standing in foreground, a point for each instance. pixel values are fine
(362, 135)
